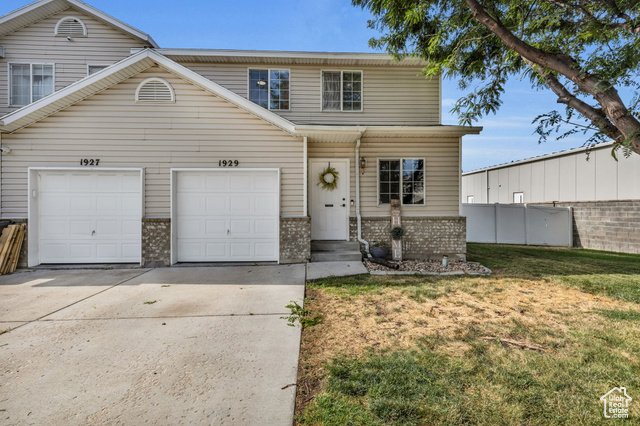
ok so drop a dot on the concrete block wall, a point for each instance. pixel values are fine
(606, 225)
(424, 237)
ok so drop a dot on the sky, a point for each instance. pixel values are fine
(327, 25)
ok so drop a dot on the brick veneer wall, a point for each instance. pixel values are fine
(156, 242)
(605, 225)
(424, 237)
(295, 239)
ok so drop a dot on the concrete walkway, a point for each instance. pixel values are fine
(161, 346)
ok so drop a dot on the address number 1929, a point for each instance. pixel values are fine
(228, 163)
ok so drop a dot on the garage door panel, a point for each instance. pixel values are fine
(266, 205)
(240, 211)
(107, 251)
(195, 203)
(216, 228)
(240, 250)
(241, 181)
(266, 228)
(190, 181)
(130, 252)
(55, 203)
(81, 228)
(241, 227)
(240, 203)
(216, 250)
(55, 182)
(90, 216)
(81, 182)
(216, 182)
(216, 205)
(131, 228)
(265, 250)
(81, 252)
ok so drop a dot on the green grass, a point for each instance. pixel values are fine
(615, 275)
(460, 379)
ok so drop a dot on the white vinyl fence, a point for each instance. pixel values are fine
(519, 224)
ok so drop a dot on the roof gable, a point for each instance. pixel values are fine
(43, 9)
(119, 72)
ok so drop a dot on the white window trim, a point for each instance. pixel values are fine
(84, 27)
(268, 84)
(470, 199)
(96, 65)
(424, 170)
(160, 80)
(361, 110)
(31, 64)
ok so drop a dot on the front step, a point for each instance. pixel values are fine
(335, 251)
(335, 245)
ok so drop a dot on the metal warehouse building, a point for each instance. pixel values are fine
(603, 193)
(574, 175)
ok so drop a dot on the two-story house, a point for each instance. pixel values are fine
(115, 150)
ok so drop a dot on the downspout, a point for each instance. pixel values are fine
(358, 216)
(305, 178)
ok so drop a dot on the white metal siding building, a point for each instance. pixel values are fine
(574, 175)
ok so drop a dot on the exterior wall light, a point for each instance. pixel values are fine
(363, 164)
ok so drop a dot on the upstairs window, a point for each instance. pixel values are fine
(401, 179)
(71, 26)
(155, 89)
(342, 90)
(269, 88)
(29, 82)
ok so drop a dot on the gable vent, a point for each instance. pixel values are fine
(155, 90)
(71, 27)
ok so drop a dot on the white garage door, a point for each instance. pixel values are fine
(227, 215)
(89, 216)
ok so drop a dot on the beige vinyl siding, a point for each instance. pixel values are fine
(38, 44)
(441, 172)
(198, 130)
(392, 95)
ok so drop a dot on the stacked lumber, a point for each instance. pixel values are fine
(10, 246)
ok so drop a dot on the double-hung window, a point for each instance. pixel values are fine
(29, 82)
(269, 88)
(401, 179)
(342, 90)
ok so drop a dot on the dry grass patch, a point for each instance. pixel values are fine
(385, 323)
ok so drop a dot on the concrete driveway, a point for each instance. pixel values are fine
(163, 346)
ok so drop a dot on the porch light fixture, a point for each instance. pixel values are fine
(363, 164)
(5, 149)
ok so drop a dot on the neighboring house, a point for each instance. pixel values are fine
(602, 191)
(182, 155)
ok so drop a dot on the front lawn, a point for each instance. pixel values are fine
(538, 342)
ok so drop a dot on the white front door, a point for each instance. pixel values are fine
(227, 215)
(89, 216)
(329, 208)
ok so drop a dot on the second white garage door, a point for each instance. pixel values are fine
(226, 215)
(89, 216)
